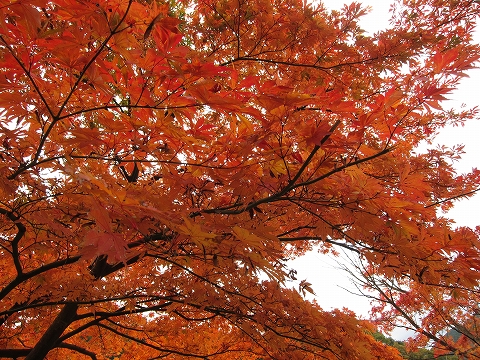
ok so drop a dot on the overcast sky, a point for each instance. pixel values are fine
(322, 271)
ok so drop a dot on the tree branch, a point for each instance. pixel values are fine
(143, 342)
(79, 349)
(14, 353)
(452, 198)
(313, 238)
(47, 341)
(312, 66)
(241, 207)
(25, 276)
(21, 232)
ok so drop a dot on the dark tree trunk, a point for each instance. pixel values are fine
(50, 337)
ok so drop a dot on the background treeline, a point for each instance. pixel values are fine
(420, 354)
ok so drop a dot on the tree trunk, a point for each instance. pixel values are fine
(56, 329)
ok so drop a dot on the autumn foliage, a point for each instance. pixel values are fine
(161, 162)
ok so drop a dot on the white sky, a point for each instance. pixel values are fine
(328, 281)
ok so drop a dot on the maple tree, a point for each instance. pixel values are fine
(162, 161)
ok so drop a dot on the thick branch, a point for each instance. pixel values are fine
(70, 260)
(14, 353)
(25, 276)
(47, 341)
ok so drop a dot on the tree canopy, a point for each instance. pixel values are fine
(161, 161)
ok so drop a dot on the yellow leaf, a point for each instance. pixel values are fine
(278, 168)
(246, 236)
(195, 231)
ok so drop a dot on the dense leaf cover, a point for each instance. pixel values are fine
(161, 162)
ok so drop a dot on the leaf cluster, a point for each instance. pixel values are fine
(161, 162)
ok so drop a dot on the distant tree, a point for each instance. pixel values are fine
(161, 161)
(418, 354)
